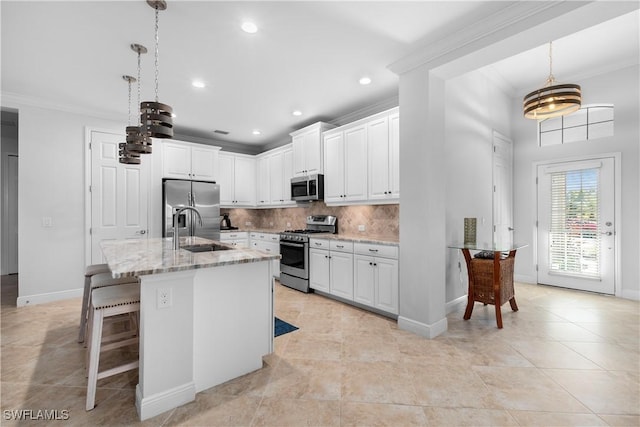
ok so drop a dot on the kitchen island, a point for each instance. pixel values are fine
(205, 317)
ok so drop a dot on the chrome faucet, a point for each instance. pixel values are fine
(176, 236)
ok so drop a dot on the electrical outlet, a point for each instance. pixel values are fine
(47, 221)
(164, 297)
(247, 223)
(288, 225)
(361, 227)
(271, 224)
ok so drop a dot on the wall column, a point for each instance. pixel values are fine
(422, 203)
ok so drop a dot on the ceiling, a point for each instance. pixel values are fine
(306, 56)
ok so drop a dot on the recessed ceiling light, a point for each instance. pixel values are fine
(256, 132)
(198, 83)
(249, 27)
(365, 80)
(297, 113)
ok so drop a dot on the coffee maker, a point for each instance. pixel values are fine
(225, 224)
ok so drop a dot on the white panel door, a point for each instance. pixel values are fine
(576, 228)
(363, 280)
(287, 169)
(263, 185)
(119, 196)
(386, 284)
(502, 190)
(313, 152)
(226, 179)
(319, 269)
(355, 169)
(334, 168)
(245, 181)
(378, 135)
(176, 160)
(276, 178)
(341, 272)
(204, 163)
(394, 154)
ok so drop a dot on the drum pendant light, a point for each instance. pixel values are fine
(155, 117)
(127, 156)
(552, 100)
(137, 140)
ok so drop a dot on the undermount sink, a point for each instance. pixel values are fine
(205, 248)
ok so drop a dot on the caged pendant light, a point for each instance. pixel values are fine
(127, 156)
(553, 99)
(156, 118)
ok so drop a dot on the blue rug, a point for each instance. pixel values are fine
(282, 327)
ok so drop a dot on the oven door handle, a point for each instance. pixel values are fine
(295, 245)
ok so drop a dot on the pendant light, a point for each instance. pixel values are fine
(137, 140)
(127, 156)
(552, 100)
(155, 117)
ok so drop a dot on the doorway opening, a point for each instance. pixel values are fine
(9, 212)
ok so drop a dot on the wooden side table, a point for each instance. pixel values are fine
(490, 280)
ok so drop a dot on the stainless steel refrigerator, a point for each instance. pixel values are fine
(204, 196)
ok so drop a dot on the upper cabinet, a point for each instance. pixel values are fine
(185, 160)
(384, 151)
(345, 152)
(237, 180)
(361, 161)
(274, 172)
(308, 150)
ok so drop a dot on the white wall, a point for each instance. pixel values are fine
(475, 107)
(52, 184)
(620, 88)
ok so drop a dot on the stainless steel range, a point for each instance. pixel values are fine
(294, 249)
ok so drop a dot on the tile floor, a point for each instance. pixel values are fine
(566, 358)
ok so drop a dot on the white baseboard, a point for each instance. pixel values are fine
(149, 407)
(451, 305)
(49, 297)
(631, 294)
(428, 331)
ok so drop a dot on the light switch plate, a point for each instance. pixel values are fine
(361, 227)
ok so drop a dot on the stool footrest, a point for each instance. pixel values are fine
(118, 370)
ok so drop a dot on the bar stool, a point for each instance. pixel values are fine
(96, 276)
(89, 272)
(106, 302)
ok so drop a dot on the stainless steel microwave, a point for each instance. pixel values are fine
(306, 188)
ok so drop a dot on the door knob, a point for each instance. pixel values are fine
(510, 228)
(607, 233)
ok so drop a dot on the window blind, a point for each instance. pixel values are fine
(575, 216)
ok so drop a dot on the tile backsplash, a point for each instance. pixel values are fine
(379, 220)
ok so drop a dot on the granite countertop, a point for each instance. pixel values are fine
(128, 258)
(361, 238)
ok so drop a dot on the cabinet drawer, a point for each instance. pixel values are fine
(319, 244)
(233, 235)
(385, 251)
(341, 246)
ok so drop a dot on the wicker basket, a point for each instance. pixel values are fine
(482, 270)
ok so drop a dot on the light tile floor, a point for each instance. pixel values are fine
(566, 358)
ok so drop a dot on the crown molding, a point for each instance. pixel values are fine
(15, 100)
(512, 19)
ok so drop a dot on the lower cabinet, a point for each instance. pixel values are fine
(269, 243)
(239, 238)
(376, 282)
(360, 272)
(331, 267)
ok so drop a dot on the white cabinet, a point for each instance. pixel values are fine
(307, 149)
(331, 267)
(384, 161)
(184, 160)
(237, 180)
(345, 158)
(376, 276)
(274, 172)
(269, 243)
(235, 238)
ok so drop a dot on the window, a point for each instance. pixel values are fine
(574, 238)
(589, 122)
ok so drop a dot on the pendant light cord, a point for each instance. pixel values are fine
(129, 104)
(551, 78)
(157, 53)
(139, 115)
